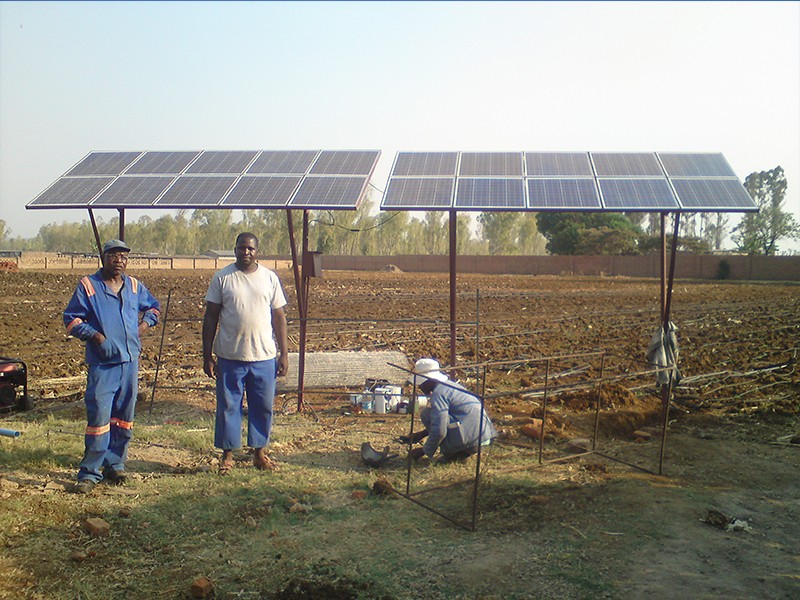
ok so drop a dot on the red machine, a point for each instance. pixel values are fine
(14, 385)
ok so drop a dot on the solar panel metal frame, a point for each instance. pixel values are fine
(80, 189)
(631, 170)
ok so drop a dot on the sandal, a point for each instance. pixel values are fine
(226, 464)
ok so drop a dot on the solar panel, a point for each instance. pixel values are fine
(262, 191)
(215, 161)
(407, 193)
(637, 194)
(554, 194)
(621, 164)
(696, 165)
(162, 163)
(329, 192)
(345, 162)
(197, 191)
(276, 162)
(421, 164)
(558, 164)
(491, 164)
(490, 194)
(103, 163)
(713, 194)
(133, 191)
(71, 192)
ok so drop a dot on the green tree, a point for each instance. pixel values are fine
(589, 233)
(759, 233)
(501, 231)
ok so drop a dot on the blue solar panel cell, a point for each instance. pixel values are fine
(103, 163)
(345, 162)
(558, 164)
(637, 194)
(713, 194)
(624, 164)
(329, 192)
(73, 191)
(490, 164)
(490, 194)
(696, 165)
(162, 163)
(408, 193)
(222, 162)
(556, 194)
(425, 164)
(133, 191)
(196, 191)
(262, 191)
(286, 162)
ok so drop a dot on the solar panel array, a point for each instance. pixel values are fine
(565, 181)
(304, 179)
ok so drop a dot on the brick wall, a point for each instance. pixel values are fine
(687, 266)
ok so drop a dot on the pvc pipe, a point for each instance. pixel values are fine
(10, 433)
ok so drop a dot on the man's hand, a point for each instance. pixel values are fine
(210, 366)
(283, 365)
(143, 326)
(416, 454)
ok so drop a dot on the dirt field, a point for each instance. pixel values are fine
(731, 444)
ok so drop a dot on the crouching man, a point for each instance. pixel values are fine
(452, 418)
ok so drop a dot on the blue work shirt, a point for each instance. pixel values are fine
(452, 405)
(94, 307)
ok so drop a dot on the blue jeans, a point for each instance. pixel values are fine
(235, 379)
(110, 404)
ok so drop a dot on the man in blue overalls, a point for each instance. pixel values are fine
(104, 312)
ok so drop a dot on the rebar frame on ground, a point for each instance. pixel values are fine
(546, 390)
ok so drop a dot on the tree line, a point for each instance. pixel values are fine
(367, 232)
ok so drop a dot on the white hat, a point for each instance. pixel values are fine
(429, 367)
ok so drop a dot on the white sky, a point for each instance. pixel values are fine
(77, 77)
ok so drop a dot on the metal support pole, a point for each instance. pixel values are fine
(666, 389)
(160, 350)
(96, 235)
(453, 252)
(121, 212)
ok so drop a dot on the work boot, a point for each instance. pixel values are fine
(115, 477)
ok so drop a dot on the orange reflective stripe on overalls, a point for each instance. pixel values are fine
(121, 424)
(98, 430)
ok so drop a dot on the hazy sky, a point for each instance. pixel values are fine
(77, 77)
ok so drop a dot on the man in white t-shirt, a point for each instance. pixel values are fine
(246, 301)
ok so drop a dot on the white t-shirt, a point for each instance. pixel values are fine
(245, 321)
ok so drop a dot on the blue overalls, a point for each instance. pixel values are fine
(112, 383)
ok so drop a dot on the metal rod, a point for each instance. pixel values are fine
(160, 350)
(96, 235)
(599, 399)
(544, 410)
(453, 274)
